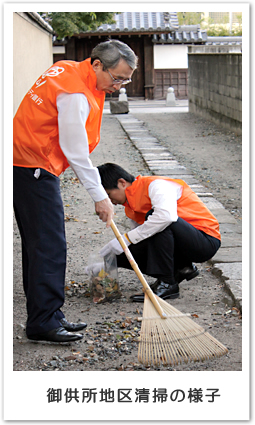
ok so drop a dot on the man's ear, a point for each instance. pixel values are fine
(96, 64)
(122, 183)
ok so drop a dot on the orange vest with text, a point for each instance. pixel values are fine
(35, 125)
(189, 207)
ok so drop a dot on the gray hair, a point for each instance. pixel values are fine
(110, 52)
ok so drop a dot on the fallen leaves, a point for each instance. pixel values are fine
(77, 288)
(70, 217)
(74, 180)
(70, 358)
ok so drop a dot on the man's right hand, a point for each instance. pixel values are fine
(105, 211)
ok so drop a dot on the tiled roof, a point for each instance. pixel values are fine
(40, 21)
(140, 22)
(184, 35)
(163, 25)
(223, 41)
(35, 17)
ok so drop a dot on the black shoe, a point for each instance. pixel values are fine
(163, 290)
(187, 273)
(56, 335)
(153, 287)
(72, 327)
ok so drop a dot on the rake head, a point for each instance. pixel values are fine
(174, 339)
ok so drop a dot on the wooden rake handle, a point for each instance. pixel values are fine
(135, 267)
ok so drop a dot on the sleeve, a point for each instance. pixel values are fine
(73, 111)
(164, 195)
(133, 224)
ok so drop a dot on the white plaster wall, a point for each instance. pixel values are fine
(59, 50)
(32, 55)
(170, 56)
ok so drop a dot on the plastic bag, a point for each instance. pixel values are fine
(104, 285)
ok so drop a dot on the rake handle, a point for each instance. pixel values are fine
(135, 267)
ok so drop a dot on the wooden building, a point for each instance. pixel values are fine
(145, 32)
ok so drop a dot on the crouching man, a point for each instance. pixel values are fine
(170, 228)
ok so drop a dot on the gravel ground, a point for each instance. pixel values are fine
(111, 338)
(213, 154)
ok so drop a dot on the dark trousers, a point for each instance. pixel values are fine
(176, 247)
(39, 213)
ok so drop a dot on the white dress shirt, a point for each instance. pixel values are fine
(163, 195)
(73, 111)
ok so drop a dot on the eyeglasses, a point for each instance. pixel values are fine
(116, 81)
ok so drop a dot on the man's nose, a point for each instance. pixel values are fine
(117, 86)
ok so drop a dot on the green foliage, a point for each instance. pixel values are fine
(222, 29)
(217, 31)
(208, 24)
(237, 30)
(189, 18)
(65, 24)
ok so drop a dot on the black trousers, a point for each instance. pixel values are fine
(164, 253)
(39, 213)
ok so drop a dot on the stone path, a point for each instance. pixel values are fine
(227, 263)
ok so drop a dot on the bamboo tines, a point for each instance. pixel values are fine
(164, 339)
(175, 339)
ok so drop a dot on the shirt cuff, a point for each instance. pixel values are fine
(97, 193)
(134, 236)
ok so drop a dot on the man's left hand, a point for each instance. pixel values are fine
(114, 247)
(105, 211)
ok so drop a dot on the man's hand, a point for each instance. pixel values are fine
(113, 247)
(94, 268)
(105, 211)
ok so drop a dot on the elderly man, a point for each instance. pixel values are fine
(57, 125)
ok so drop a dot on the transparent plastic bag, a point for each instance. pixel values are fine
(104, 285)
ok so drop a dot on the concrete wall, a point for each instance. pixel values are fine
(215, 84)
(32, 55)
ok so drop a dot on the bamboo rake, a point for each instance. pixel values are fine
(169, 337)
(135, 267)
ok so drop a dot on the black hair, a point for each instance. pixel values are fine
(111, 173)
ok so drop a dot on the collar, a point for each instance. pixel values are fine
(90, 78)
(130, 190)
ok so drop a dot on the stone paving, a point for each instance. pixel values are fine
(227, 263)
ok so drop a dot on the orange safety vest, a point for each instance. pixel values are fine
(35, 128)
(189, 207)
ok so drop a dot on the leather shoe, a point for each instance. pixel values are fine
(56, 335)
(153, 287)
(72, 327)
(163, 290)
(187, 273)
